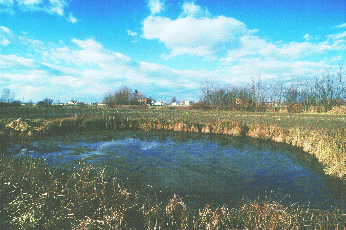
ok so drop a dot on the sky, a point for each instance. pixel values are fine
(84, 49)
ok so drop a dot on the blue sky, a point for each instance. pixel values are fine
(65, 49)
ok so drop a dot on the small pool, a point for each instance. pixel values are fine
(202, 168)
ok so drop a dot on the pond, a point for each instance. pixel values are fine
(201, 168)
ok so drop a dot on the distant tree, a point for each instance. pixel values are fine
(48, 101)
(7, 96)
(45, 102)
(174, 99)
(30, 103)
(150, 100)
(123, 96)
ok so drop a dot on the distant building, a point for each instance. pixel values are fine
(142, 101)
(160, 103)
(186, 102)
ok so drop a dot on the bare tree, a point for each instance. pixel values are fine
(7, 96)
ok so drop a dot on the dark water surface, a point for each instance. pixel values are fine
(201, 168)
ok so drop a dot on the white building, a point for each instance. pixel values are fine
(186, 102)
(160, 103)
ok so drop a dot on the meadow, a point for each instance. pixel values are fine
(34, 195)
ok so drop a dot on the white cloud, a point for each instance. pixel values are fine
(88, 44)
(6, 6)
(48, 6)
(254, 47)
(31, 42)
(155, 6)
(190, 9)
(15, 61)
(337, 58)
(5, 34)
(92, 52)
(189, 35)
(30, 5)
(4, 41)
(307, 37)
(5, 29)
(133, 34)
(68, 80)
(246, 69)
(57, 6)
(195, 32)
(337, 36)
(72, 18)
(340, 26)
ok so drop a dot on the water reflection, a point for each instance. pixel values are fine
(200, 167)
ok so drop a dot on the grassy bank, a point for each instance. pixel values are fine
(35, 196)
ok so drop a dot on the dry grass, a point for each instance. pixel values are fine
(32, 196)
(35, 196)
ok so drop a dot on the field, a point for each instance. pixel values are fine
(35, 196)
(284, 120)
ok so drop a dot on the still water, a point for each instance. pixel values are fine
(204, 168)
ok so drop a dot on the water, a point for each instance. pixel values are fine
(201, 168)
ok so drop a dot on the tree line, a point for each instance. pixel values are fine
(320, 94)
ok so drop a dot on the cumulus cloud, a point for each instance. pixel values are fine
(195, 36)
(243, 54)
